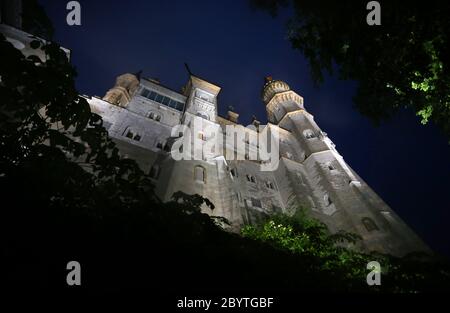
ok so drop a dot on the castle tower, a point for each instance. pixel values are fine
(316, 176)
(123, 90)
(202, 98)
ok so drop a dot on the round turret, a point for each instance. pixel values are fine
(272, 87)
(122, 91)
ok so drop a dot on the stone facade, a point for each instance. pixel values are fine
(141, 113)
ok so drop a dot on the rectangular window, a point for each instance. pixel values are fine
(154, 172)
(152, 95)
(179, 106)
(165, 101)
(145, 93)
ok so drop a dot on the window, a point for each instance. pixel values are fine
(129, 133)
(256, 203)
(179, 106)
(167, 101)
(251, 178)
(327, 200)
(201, 136)
(199, 174)
(152, 95)
(204, 96)
(369, 224)
(172, 103)
(154, 171)
(309, 134)
(167, 147)
(203, 115)
(154, 116)
(159, 98)
(159, 145)
(269, 185)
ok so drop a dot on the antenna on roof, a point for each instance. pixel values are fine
(187, 68)
(138, 75)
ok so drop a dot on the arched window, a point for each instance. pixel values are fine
(327, 200)
(269, 185)
(369, 224)
(251, 178)
(200, 174)
(154, 116)
(129, 134)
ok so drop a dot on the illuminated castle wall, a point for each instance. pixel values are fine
(140, 114)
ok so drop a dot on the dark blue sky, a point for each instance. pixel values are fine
(231, 45)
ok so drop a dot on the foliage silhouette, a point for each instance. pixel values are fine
(404, 63)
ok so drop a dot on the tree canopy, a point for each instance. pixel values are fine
(402, 63)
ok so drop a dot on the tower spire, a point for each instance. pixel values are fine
(188, 69)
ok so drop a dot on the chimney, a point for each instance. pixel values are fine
(233, 116)
(255, 122)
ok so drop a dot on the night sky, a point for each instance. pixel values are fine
(235, 47)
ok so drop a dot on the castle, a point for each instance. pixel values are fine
(140, 115)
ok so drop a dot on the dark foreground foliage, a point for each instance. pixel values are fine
(68, 195)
